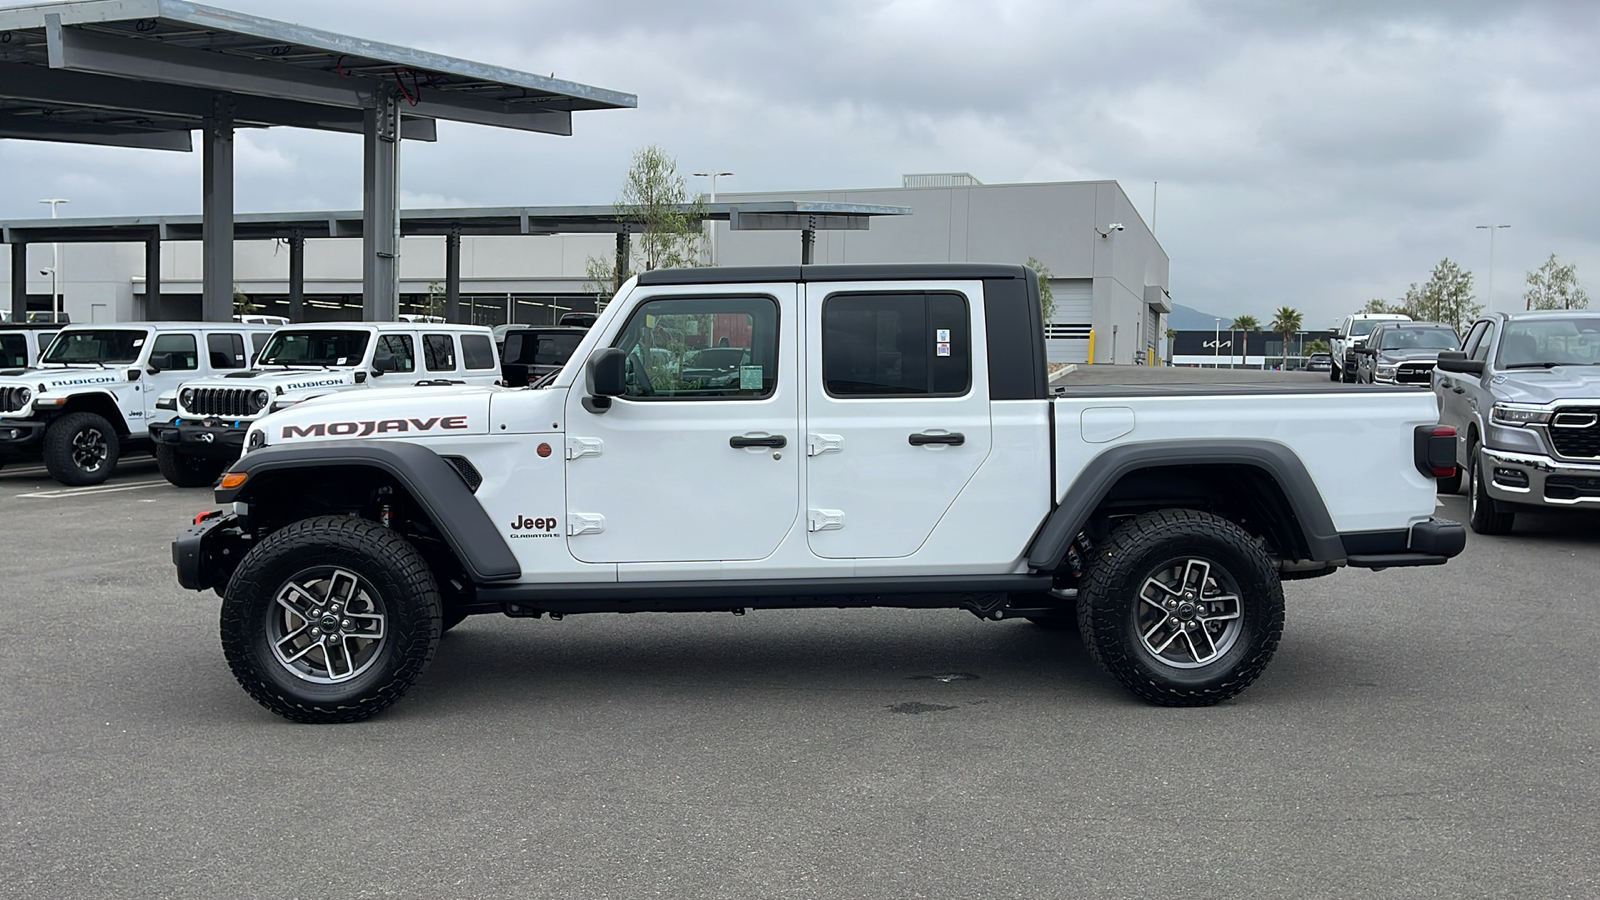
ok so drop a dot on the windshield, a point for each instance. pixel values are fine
(1420, 339)
(1544, 342)
(99, 346)
(1363, 327)
(541, 349)
(319, 347)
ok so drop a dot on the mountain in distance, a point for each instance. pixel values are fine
(1184, 318)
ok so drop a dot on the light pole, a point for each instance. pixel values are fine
(713, 174)
(1491, 229)
(55, 264)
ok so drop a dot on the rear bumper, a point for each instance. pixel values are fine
(208, 438)
(1534, 480)
(1431, 542)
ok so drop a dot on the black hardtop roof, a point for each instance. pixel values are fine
(849, 272)
(32, 326)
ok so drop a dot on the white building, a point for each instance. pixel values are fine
(1108, 272)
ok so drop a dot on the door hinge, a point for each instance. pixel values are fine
(824, 519)
(585, 523)
(818, 444)
(578, 447)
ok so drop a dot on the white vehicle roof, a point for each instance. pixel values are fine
(165, 326)
(435, 327)
(1395, 317)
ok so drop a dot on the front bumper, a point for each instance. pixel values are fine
(20, 434)
(206, 553)
(208, 438)
(1536, 480)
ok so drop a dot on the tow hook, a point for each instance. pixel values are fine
(210, 514)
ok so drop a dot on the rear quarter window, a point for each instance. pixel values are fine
(477, 351)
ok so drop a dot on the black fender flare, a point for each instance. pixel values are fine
(432, 483)
(1103, 472)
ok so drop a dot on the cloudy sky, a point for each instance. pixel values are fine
(1313, 154)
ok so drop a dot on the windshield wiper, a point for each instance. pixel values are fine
(1537, 365)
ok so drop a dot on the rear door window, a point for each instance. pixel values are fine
(896, 344)
(438, 353)
(13, 351)
(225, 351)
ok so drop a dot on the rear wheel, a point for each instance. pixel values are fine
(184, 470)
(330, 619)
(81, 448)
(1489, 516)
(1182, 607)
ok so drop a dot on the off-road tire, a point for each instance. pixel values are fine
(1333, 372)
(188, 471)
(451, 617)
(81, 448)
(385, 563)
(1489, 516)
(1143, 549)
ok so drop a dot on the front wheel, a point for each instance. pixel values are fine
(187, 471)
(1182, 607)
(330, 619)
(81, 448)
(1488, 515)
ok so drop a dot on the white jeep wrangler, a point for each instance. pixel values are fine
(302, 362)
(87, 401)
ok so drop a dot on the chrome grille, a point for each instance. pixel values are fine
(14, 398)
(1414, 373)
(226, 403)
(1576, 443)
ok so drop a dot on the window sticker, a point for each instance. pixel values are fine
(942, 349)
(138, 342)
(749, 378)
(942, 336)
(343, 361)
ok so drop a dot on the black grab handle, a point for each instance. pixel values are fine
(955, 439)
(776, 440)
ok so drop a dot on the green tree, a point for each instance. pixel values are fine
(1446, 297)
(665, 224)
(1286, 321)
(1380, 305)
(1047, 301)
(1554, 286)
(1245, 323)
(242, 304)
(434, 304)
(1317, 346)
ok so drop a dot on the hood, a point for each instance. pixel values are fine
(63, 379)
(1548, 385)
(402, 412)
(1394, 357)
(279, 381)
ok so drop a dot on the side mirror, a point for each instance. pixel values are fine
(159, 361)
(1456, 361)
(383, 362)
(606, 376)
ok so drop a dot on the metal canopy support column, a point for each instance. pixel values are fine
(380, 210)
(297, 276)
(452, 275)
(19, 282)
(216, 304)
(808, 240)
(152, 277)
(623, 252)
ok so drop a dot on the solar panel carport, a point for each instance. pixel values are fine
(146, 73)
(805, 216)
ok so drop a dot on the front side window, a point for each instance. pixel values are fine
(477, 351)
(399, 348)
(896, 344)
(315, 347)
(13, 351)
(1550, 341)
(1474, 335)
(438, 353)
(182, 351)
(1485, 341)
(702, 347)
(102, 345)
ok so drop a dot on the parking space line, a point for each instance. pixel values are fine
(100, 489)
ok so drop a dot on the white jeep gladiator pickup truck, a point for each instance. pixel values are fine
(301, 362)
(808, 436)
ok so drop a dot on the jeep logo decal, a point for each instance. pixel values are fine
(373, 426)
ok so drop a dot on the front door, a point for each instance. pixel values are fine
(699, 460)
(183, 364)
(897, 412)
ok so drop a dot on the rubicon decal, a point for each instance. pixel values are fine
(302, 385)
(74, 382)
(375, 426)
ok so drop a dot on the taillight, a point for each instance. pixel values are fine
(1435, 449)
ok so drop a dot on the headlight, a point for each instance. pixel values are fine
(1387, 371)
(1518, 416)
(259, 400)
(23, 396)
(186, 396)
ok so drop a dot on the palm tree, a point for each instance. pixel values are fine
(1245, 323)
(1286, 322)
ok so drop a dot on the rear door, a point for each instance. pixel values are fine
(699, 460)
(897, 411)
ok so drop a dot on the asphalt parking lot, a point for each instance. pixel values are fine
(1421, 733)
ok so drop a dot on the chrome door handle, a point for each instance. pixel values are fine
(922, 439)
(776, 440)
